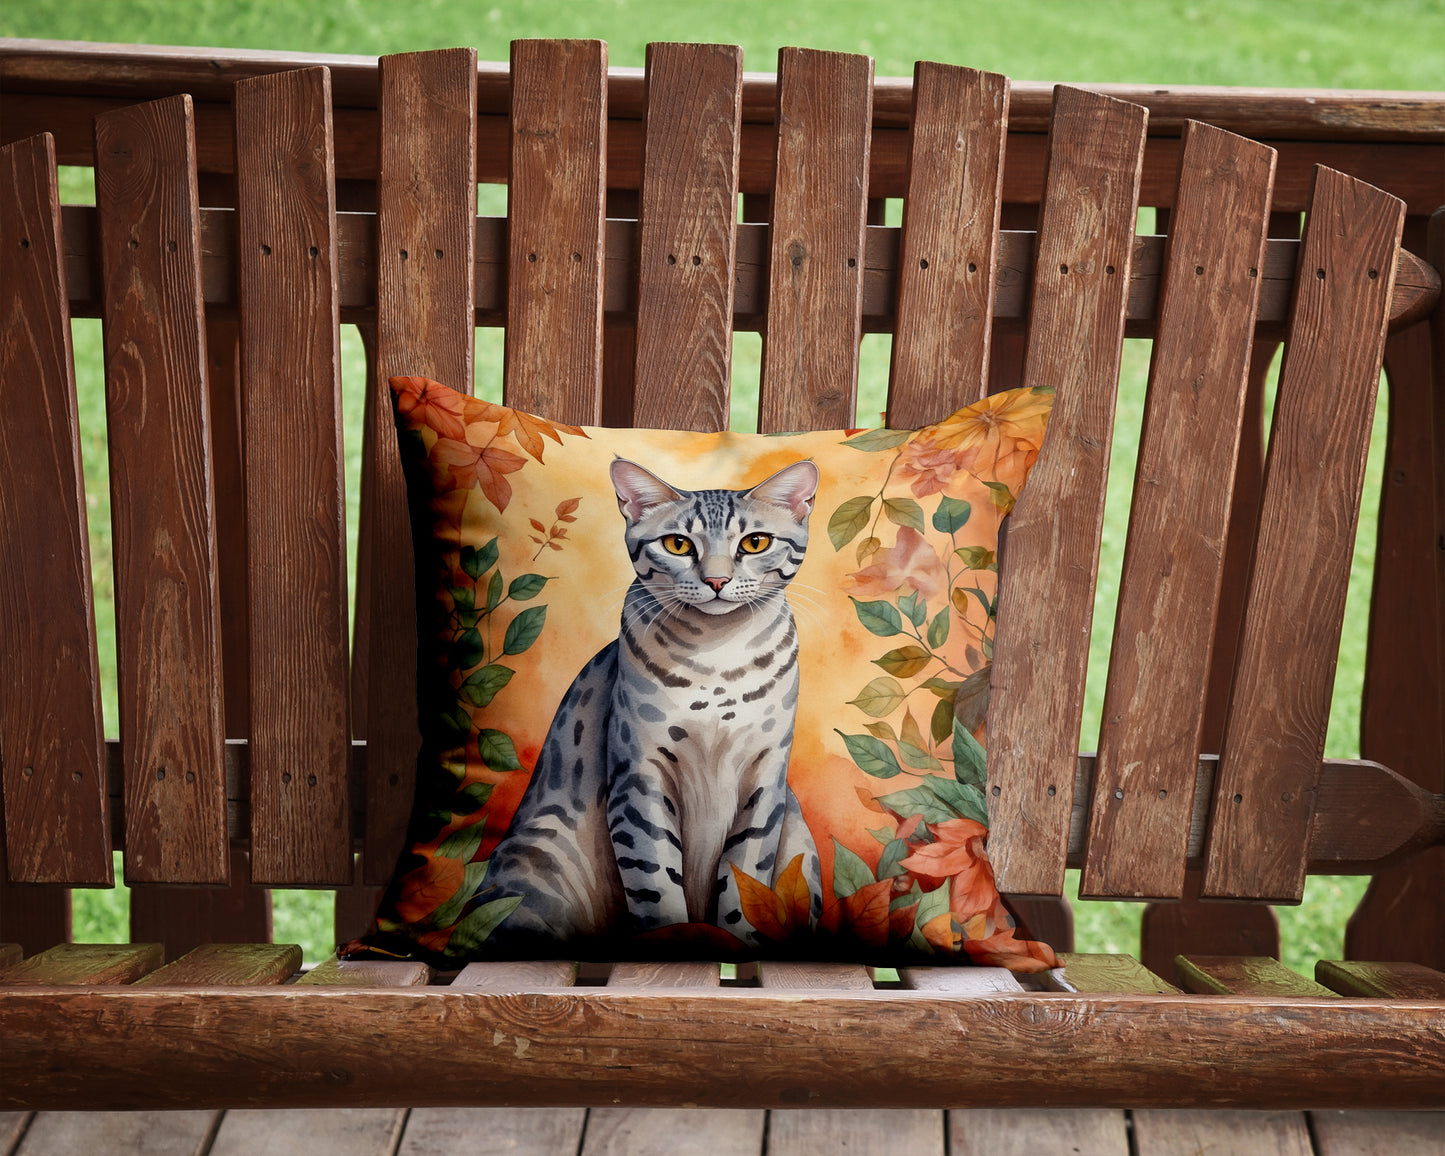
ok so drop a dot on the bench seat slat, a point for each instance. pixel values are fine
(228, 963)
(1092, 972)
(300, 717)
(168, 644)
(1383, 980)
(56, 817)
(1153, 715)
(789, 976)
(84, 964)
(1243, 975)
(1075, 341)
(334, 972)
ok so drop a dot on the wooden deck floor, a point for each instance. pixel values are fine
(697, 1132)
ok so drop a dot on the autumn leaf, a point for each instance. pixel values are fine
(942, 933)
(762, 907)
(425, 402)
(792, 889)
(568, 507)
(863, 915)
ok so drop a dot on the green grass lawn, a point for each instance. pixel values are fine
(1396, 44)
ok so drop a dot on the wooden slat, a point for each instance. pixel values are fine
(947, 268)
(34, 915)
(664, 975)
(1097, 972)
(916, 1131)
(674, 1132)
(85, 963)
(555, 205)
(1186, 1132)
(1081, 276)
(426, 218)
(816, 258)
(294, 493)
(1275, 734)
(56, 818)
(687, 237)
(1030, 1131)
(1192, 925)
(228, 963)
(152, 1133)
(183, 918)
(959, 980)
(1243, 975)
(516, 1131)
(1378, 1133)
(320, 1132)
(168, 633)
(784, 975)
(1384, 980)
(517, 975)
(10, 953)
(1153, 713)
(335, 972)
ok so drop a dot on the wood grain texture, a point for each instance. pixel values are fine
(947, 267)
(295, 501)
(69, 964)
(1190, 925)
(183, 918)
(168, 632)
(1378, 1133)
(56, 817)
(1029, 1131)
(555, 206)
(687, 237)
(1184, 1132)
(674, 1132)
(847, 1130)
(121, 1133)
(1076, 331)
(517, 975)
(1153, 716)
(425, 222)
(1096, 972)
(334, 972)
(816, 242)
(784, 975)
(10, 953)
(959, 980)
(326, 1132)
(516, 1131)
(1243, 975)
(642, 975)
(1383, 980)
(1275, 734)
(228, 963)
(128, 1047)
(34, 915)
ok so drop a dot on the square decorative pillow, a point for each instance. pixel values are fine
(703, 695)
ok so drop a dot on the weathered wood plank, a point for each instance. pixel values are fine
(947, 265)
(152, 1133)
(517, 975)
(687, 237)
(228, 963)
(1187, 1132)
(1029, 1131)
(787, 976)
(1097, 972)
(85, 963)
(1378, 1133)
(1275, 733)
(1383, 980)
(1191, 925)
(334, 972)
(323, 1132)
(912, 1130)
(57, 826)
(517, 1131)
(555, 207)
(959, 980)
(426, 221)
(643, 975)
(183, 918)
(10, 953)
(300, 821)
(1076, 332)
(33, 915)
(168, 632)
(1243, 975)
(1153, 715)
(674, 1132)
(816, 260)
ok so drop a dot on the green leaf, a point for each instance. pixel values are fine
(461, 844)
(917, 758)
(960, 599)
(964, 799)
(940, 726)
(881, 618)
(915, 607)
(938, 629)
(968, 757)
(884, 835)
(476, 561)
(866, 547)
(453, 727)
(888, 867)
(849, 872)
(943, 687)
(952, 514)
(872, 756)
(931, 904)
(848, 521)
(919, 801)
(497, 751)
(978, 557)
(472, 931)
(875, 440)
(468, 649)
(906, 661)
(494, 591)
(523, 630)
(904, 512)
(880, 697)
(971, 702)
(482, 685)
(462, 597)
(451, 909)
(471, 798)
(1003, 497)
(527, 587)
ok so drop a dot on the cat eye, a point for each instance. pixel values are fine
(677, 544)
(755, 543)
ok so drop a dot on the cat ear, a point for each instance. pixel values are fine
(793, 487)
(638, 490)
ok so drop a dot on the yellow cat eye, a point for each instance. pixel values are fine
(755, 543)
(677, 544)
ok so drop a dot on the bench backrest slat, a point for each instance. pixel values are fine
(1275, 733)
(1075, 341)
(168, 639)
(295, 501)
(1173, 563)
(819, 214)
(687, 236)
(947, 266)
(555, 209)
(426, 241)
(56, 814)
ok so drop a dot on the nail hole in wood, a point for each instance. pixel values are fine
(1374, 273)
(1063, 268)
(1239, 798)
(76, 776)
(170, 246)
(577, 257)
(532, 257)
(313, 251)
(995, 792)
(160, 774)
(265, 250)
(1109, 269)
(852, 262)
(1163, 794)
(28, 772)
(1118, 793)
(923, 263)
(310, 780)
(1319, 274)
(286, 776)
(1199, 270)
(190, 776)
(437, 254)
(404, 254)
(25, 242)
(1254, 272)
(972, 268)
(696, 260)
(133, 243)
(672, 259)
(1053, 791)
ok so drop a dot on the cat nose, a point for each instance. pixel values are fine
(717, 583)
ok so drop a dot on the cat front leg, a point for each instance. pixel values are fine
(643, 824)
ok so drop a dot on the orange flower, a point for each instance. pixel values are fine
(426, 402)
(478, 467)
(997, 438)
(911, 562)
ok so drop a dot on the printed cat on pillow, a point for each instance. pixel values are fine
(679, 731)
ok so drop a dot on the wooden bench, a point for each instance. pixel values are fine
(246, 206)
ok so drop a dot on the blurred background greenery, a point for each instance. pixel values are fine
(1373, 44)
